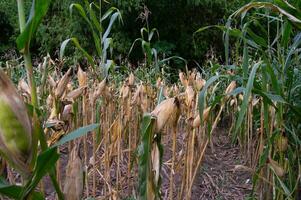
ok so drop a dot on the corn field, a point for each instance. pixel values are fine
(93, 132)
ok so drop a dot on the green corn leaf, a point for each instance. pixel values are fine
(147, 50)
(45, 163)
(94, 18)
(76, 43)
(146, 186)
(173, 58)
(232, 31)
(257, 39)
(81, 11)
(245, 102)
(132, 47)
(112, 20)
(76, 134)
(151, 34)
(109, 12)
(293, 49)
(14, 191)
(38, 11)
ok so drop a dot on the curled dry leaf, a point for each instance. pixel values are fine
(125, 92)
(101, 90)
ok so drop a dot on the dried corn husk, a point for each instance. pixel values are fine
(197, 120)
(189, 96)
(282, 143)
(67, 112)
(15, 127)
(74, 183)
(62, 84)
(279, 171)
(74, 94)
(230, 87)
(51, 81)
(82, 77)
(131, 79)
(233, 102)
(55, 124)
(101, 90)
(167, 112)
(159, 83)
(240, 97)
(23, 87)
(199, 83)
(183, 79)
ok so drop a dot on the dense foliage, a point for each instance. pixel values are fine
(171, 18)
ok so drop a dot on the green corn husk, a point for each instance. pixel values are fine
(15, 127)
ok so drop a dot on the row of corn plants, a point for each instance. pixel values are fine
(267, 68)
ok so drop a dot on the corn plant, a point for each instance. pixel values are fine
(269, 75)
(102, 41)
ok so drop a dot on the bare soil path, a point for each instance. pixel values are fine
(217, 178)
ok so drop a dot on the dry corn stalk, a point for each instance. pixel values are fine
(74, 183)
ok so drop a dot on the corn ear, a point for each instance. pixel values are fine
(62, 84)
(82, 77)
(15, 127)
(197, 120)
(167, 112)
(279, 171)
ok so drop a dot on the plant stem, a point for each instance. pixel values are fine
(38, 131)
(21, 14)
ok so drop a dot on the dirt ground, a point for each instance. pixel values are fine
(216, 178)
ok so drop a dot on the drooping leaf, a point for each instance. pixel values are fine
(76, 43)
